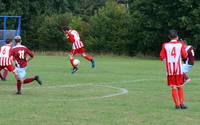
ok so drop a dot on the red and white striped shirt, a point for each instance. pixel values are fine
(5, 53)
(73, 37)
(173, 52)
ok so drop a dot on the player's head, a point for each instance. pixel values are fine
(8, 41)
(18, 39)
(173, 34)
(66, 28)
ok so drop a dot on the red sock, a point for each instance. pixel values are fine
(71, 61)
(29, 80)
(181, 95)
(175, 97)
(88, 57)
(5, 74)
(18, 85)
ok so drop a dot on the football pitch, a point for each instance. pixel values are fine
(119, 91)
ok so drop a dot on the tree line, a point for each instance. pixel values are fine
(122, 27)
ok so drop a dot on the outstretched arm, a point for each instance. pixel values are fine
(162, 53)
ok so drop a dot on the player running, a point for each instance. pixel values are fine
(172, 52)
(189, 62)
(77, 47)
(20, 53)
(6, 59)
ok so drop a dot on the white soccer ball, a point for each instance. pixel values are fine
(76, 62)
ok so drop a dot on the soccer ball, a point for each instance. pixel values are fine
(76, 62)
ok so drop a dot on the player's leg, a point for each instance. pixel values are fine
(1, 77)
(74, 68)
(12, 69)
(175, 97)
(21, 74)
(87, 57)
(5, 74)
(19, 83)
(186, 68)
(186, 78)
(181, 97)
(71, 60)
(31, 79)
(19, 86)
(72, 53)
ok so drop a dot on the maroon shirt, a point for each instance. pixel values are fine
(191, 56)
(20, 53)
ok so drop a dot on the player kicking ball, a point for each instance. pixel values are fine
(77, 47)
(20, 54)
(173, 52)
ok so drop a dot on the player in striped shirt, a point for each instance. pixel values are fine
(172, 52)
(6, 59)
(77, 47)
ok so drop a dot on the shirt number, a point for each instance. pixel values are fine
(173, 52)
(4, 51)
(21, 54)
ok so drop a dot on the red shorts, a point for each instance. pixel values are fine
(77, 51)
(175, 80)
(9, 68)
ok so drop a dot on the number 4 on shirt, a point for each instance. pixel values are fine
(173, 52)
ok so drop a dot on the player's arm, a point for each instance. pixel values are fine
(71, 37)
(12, 58)
(191, 56)
(162, 53)
(30, 55)
(184, 53)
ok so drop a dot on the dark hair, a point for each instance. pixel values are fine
(17, 40)
(8, 41)
(66, 28)
(173, 33)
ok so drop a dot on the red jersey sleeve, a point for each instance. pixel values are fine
(29, 52)
(163, 52)
(184, 52)
(70, 36)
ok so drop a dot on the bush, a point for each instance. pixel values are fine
(109, 29)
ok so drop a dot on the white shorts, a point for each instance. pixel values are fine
(186, 68)
(21, 73)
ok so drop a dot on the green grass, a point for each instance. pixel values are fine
(66, 99)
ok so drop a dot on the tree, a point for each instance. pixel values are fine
(154, 18)
(109, 29)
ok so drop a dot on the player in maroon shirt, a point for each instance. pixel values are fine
(189, 62)
(21, 54)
